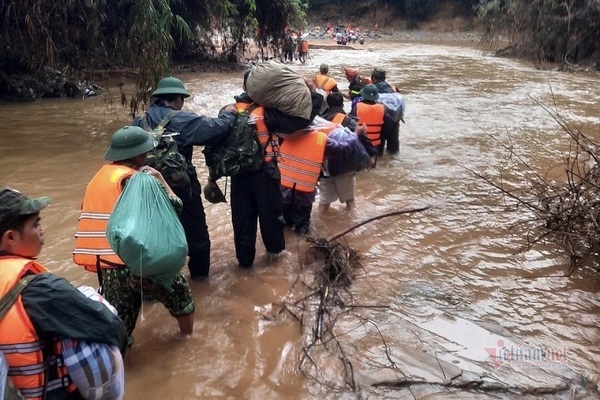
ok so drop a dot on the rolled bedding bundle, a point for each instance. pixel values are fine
(275, 85)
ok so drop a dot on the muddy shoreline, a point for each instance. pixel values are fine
(470, 37)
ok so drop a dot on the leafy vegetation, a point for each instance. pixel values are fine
(413, 10)
(145, 36)
(140, 35)
(556, 31)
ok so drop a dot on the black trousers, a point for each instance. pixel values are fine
(392, 138)
(255, 196)
(297, 217)
(288, 55)
(193, 220)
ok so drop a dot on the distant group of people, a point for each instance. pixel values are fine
(294, 47)
(48, 309)
(346, 33)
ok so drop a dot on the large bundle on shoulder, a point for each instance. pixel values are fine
(95, 368)
(145, 232)
(271, 85)
(395, 104)
(275, 85)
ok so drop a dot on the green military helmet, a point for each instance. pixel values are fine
(378, 74)
(369, 92)
(324, 68)
(128, 142)
(170, 85)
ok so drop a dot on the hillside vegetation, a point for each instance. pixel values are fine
(78, 37)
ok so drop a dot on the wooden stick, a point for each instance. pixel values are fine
(389, 214)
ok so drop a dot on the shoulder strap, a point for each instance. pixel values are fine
(322, 85)
(145, 123)
(12, 295)
(162, 123)
(167, 118)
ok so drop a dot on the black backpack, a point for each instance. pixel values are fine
(165, 157)
(239, 152)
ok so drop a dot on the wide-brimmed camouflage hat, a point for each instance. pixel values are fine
(14, 204)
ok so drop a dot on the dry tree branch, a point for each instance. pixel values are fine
(333, 264)
(567, 212)
(359, 224)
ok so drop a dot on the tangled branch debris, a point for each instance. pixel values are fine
(331, 265)
(565, 212)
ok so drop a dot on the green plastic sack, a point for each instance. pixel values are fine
(145, 232)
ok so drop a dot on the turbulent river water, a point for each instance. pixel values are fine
(442, 290)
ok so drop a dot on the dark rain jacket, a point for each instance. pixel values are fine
(193, 129)
(354, 88)
(384, 87)
(56, 308)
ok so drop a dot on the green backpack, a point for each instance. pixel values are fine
(239, 152)
(165, 157)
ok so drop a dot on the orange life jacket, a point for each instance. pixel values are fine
(324, 82)
(269, 142)
(338, 118)
(301, 161)
(304, 46)
(20, 342)
(100, 197)
(372, 115)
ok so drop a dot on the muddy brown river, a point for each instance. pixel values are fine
(447, 306)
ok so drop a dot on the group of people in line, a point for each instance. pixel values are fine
(365, 91)
(47, 309)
